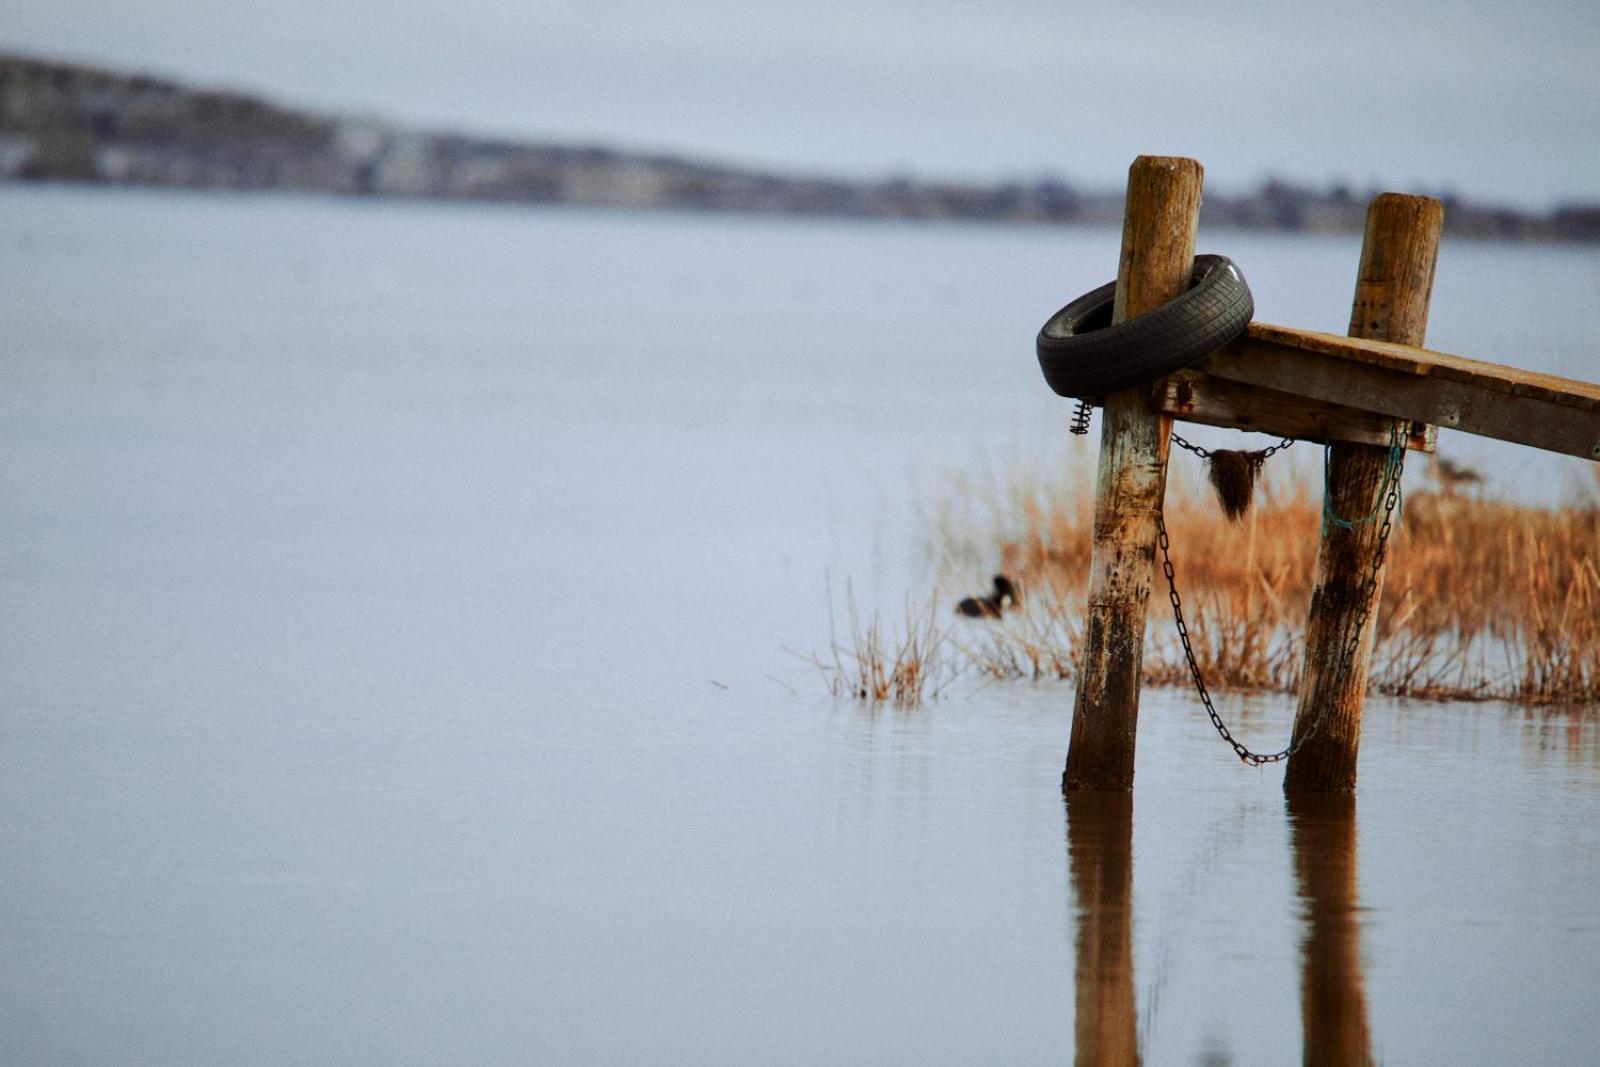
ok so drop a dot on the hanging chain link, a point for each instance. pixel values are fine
(1205, 453)
(1369, 589)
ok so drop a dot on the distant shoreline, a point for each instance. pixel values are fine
(71, 123)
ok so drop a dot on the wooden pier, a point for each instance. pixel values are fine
(1358, 394)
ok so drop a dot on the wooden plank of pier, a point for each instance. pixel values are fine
(1193, 396)
(1406, 382)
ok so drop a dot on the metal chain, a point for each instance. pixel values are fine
(1279, 447)
(1369, 590)
(1205, 453)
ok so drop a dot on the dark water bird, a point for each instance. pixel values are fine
(990, 607)
(1453, 476)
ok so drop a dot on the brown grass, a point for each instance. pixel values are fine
(1482, 599)
(904, 665)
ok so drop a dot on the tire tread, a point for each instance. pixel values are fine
(1092, 363)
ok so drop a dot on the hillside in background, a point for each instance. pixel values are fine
(70, 122)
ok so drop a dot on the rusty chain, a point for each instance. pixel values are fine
(1390, 490)
(1257, 457)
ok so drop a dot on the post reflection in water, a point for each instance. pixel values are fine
(1333, 1000)
(1100, 857)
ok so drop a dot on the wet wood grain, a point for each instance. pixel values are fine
(1391, 303)
(1158, 239)
(1409, 382)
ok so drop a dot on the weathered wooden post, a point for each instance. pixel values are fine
(1398, 255)
(1158, 237)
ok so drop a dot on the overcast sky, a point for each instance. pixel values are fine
(1496, 101)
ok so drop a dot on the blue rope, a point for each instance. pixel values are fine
(1392, 466)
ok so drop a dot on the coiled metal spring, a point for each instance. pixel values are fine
(1080, 418)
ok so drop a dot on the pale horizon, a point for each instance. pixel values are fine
(1465, 101)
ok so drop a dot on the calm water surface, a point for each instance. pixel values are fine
(393, 670)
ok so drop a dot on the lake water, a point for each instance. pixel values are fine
(396, 667)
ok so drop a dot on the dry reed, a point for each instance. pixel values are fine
(904, 665)
(1482, 599)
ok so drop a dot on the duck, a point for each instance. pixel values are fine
(990, 607)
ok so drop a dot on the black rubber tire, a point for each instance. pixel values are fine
(1083, 355)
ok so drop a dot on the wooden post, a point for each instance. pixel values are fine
(1398, 255)
(1158, 235)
